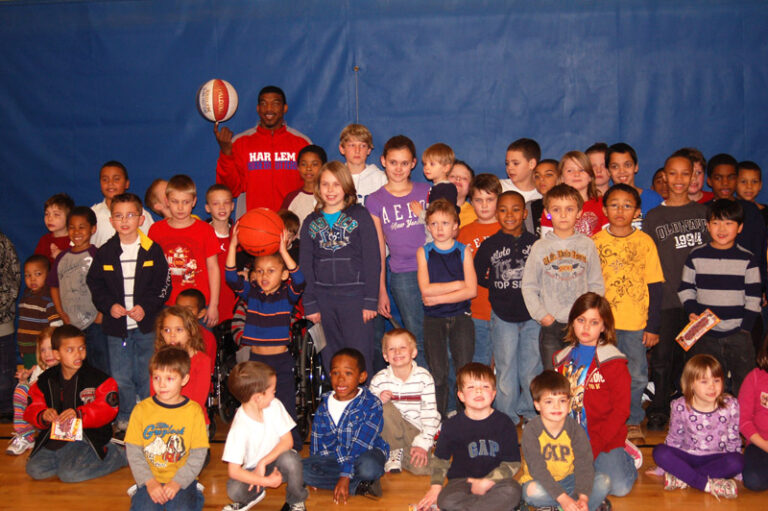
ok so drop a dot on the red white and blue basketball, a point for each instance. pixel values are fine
(259, 231)
(217, 100)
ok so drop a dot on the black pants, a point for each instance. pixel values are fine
(666, 361)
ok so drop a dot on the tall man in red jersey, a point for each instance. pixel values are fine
(261, 161)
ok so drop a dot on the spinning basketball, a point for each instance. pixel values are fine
(217, 100)
(259, 231)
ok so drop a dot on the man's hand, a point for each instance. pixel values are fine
(419, 457)
(341, 492)
(224, 138)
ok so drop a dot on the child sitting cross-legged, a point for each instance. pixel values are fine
(347, 453)
(558, 469)
(258, 449)
(477, 450)
(167, 441)
(407, 391)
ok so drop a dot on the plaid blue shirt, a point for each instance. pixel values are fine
(358, 431)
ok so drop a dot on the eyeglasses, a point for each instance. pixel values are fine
(128, 216)
(625, 207)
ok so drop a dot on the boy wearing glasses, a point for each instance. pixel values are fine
(633, 276)
(129, 283)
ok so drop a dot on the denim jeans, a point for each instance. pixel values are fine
(550, 342)
(536, 496)
(7, 372)
(620, 467)
(456, 333)
(754, 473)
(324, 471)
(518, 361)
(75, 462)
(290, 467)
(187, 499)
(483, 345)
(630, 342)
(97, 348)
(405, 290)
(129, 361)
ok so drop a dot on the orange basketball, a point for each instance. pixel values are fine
(259, 231)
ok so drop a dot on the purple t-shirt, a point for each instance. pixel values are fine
(403, 231)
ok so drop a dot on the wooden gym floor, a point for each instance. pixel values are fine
(19, 492)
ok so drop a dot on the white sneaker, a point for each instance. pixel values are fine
(394, 463)
(237, 506)
(20, 444)
(634, 453)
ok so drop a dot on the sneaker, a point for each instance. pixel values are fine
(673, 483)
(242, 506)
(370, 489)
(723, 488)
(394, 462)
(634, 453)
(118, 438)
(299, 506)
(605, 506)
(20, 444)
(648, 393)
(635, 432)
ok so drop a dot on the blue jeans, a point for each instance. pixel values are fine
(187, 499)
(536, 496)
(483, 345)
(518, 361)
(75, 462)
(630, 342)
(405, 290)
(324, 471)
(7, 372)
(97, 348)
(129, 360)
(620, 467)
(289, 465)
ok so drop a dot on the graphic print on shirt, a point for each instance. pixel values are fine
(263, 160)
(167, 447)
(577, 376)
(764, 399)
(334, 237)
(508, 273)
(565, 264)
(400, 216)
(587, 223)
(182, 264)
(686, 233)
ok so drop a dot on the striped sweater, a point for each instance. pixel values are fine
(725, 281)
(268, 316)
(36, 312)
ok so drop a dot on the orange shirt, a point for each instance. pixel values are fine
(473, 235)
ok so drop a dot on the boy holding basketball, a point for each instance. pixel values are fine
(190, 247)
(270, 297)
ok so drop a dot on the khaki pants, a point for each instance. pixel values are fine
(399, 434)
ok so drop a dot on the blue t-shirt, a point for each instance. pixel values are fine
(576, 370)
(445, 266)
(331, 218)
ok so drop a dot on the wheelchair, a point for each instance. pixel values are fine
(220, 402)
(311, 380)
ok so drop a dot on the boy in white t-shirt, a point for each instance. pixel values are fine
(259, 443)
(355, 144)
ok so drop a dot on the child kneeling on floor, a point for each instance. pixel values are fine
(259, 443)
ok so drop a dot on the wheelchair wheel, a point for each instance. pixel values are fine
(309, 376)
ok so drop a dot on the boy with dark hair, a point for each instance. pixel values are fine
(596, 154)
(113, 178)
(190, 246)
(676, 226)
(558, 469)
(261, 161)
(129, 283)
(270, 297)
(499, 264)
(220, 204)
(477, 451)
(167, 440)
(71, 397)
(522, 157)
(302, 201)
(561, 266)
(484, 193)
(724, 277)
(347, 452)
(194, 301)
(622, 163)
(749, 184)
(57, 207)
(36, 308)
(355, 145)
(69, 289)
(258, 448)
(696, 192)
(633, 277)
(545, 176)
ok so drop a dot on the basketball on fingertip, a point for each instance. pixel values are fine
(217, 100)
(259, 231)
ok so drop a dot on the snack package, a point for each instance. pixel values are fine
(69, 430)
(696, 328)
